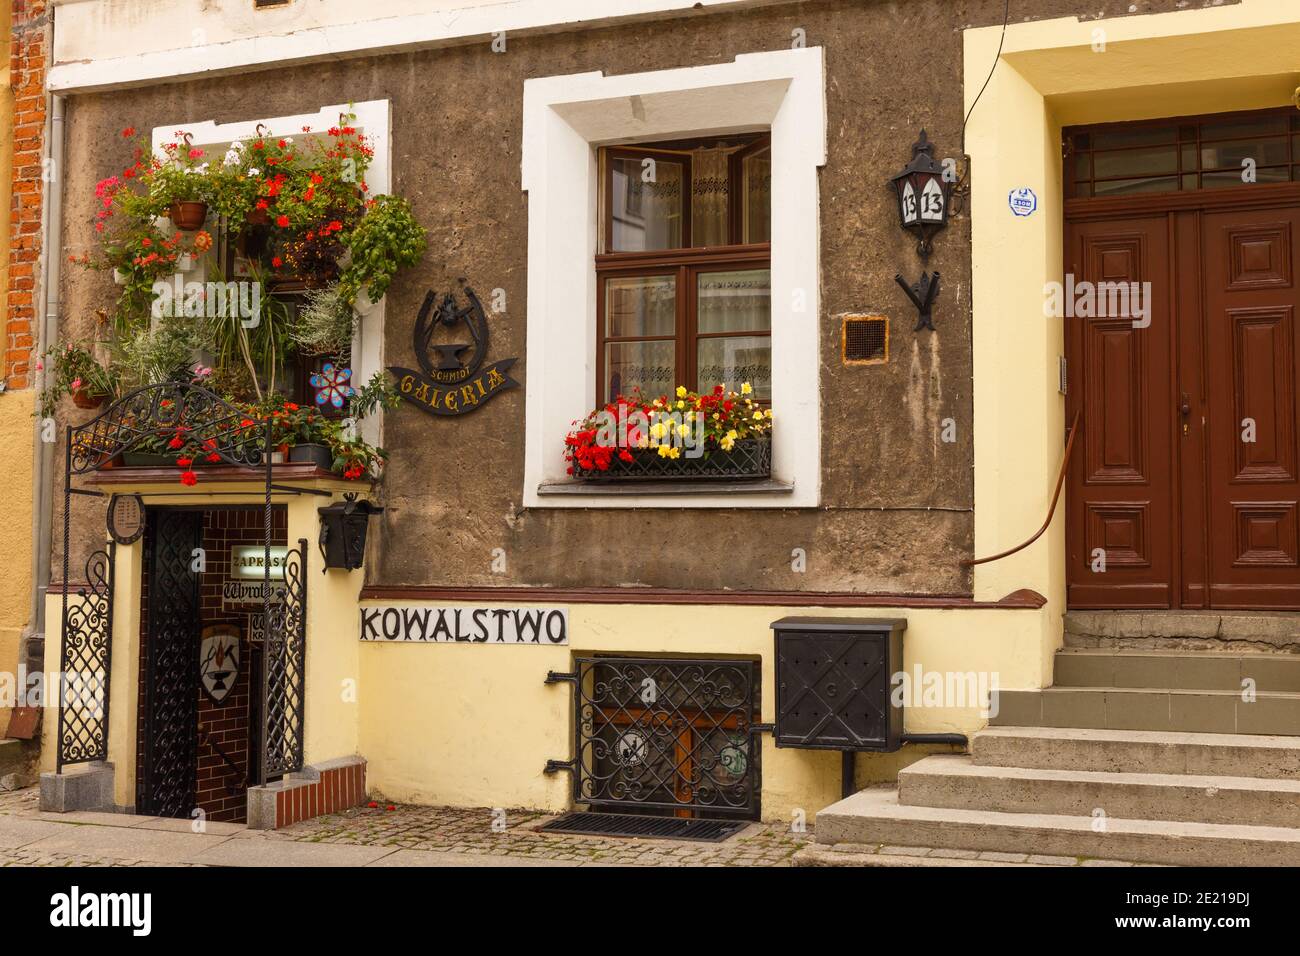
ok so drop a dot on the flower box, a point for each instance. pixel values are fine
(749, 459)
(718, 435)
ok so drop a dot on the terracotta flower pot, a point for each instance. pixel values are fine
(83, 399)
(189, 216)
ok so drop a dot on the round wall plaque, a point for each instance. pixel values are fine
(125, 518)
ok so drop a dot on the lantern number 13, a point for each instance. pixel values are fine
(932, 202)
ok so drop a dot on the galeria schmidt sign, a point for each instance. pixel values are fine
(466, 625)
(452, 379)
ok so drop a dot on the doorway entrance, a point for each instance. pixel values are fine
(202, 656)
(1182, 347)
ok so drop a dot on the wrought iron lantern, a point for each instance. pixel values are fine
(923, 195)
(343, 527)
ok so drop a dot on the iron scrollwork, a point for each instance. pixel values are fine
(160, 411)
(84, 665)
(284, 669)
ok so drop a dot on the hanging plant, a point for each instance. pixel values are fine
(387, 239)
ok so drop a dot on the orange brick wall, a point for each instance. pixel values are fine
(27, 77)
(337, 789)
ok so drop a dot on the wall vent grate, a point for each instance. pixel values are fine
(865, 340)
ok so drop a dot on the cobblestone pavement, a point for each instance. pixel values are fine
(449, 832)
(471, 832)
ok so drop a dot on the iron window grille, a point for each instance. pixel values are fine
(667, 735)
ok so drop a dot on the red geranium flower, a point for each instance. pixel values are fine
(184, 462)
(282, 221)
(128, 132)
(189, 478)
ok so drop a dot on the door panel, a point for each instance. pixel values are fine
(1252, 348)
(1121, 487)
(169, 728)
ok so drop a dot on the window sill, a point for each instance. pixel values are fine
(636, 488)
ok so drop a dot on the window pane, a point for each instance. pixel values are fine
(1137, 136)
(640, 305)
(1232, 177)
(1267, 152)
(733, 360)
(1123, 187)
(647, 215)
(647, 366)
(756, 190)
(734, 301)
(709, 212)
(1136, 162)
(1253, 126)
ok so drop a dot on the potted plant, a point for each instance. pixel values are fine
(716, 435)
(72, 369)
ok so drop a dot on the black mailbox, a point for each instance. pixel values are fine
(833, 683)
(343, 527)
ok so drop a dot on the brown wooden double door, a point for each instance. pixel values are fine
(1185, 479)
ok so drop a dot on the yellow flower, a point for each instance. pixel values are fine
(683, 430)
(681, 391)
(727, 443)
(658, 429)
(746, 388)
(758, 416)
(767, 413)
(667, 451)
(681, 406)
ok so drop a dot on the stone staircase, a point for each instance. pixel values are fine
(1148, 754)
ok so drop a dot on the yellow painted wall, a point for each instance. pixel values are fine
(473, 725)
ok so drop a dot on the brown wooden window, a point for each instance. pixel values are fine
(1183, 154)
(684, 267)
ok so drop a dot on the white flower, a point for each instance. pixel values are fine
(232, 157)
(253, 172)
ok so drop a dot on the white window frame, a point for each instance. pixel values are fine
(371, 118)
(565, 119)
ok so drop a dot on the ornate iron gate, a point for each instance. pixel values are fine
(284, 669)
(84, 662)
(666, 735)
(169, 730)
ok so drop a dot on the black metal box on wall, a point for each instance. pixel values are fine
(833, 683)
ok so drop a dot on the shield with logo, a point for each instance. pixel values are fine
(219, 661)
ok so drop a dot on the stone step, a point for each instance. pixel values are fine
(857, 854)
(1249, 631)
(1181, 670)
(870, 854)
(876, 816)
(1150, 708)
(1151, 751)
(956, 782)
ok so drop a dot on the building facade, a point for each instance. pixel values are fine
(498, 645)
